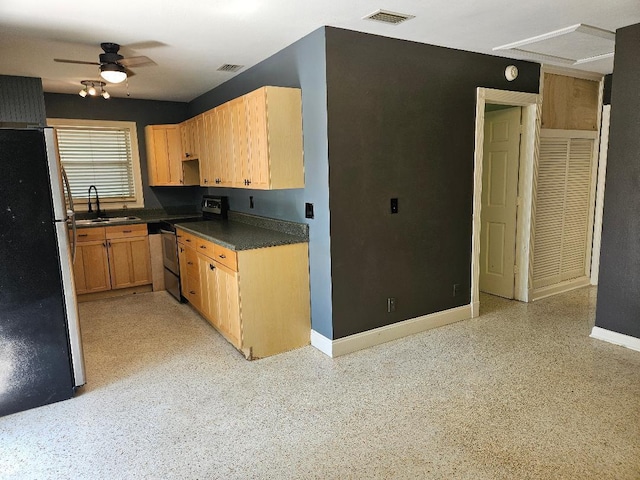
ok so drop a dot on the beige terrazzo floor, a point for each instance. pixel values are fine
(521, 392)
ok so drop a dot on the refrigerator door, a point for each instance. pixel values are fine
(71, 305)
(35, 362)
(55, 174)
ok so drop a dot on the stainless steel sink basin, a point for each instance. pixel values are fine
(105, 220)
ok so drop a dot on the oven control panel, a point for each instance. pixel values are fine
(215, 205)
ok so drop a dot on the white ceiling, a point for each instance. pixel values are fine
(190, 39)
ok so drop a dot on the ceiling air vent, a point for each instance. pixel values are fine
(385, 16)
(227, 67)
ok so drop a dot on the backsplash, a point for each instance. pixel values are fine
(292, 228)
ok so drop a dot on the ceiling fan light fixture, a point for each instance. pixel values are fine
(92, 91)
(105, 95)
(83, 92)
(113, 72)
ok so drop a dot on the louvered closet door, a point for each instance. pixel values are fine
(563, 210)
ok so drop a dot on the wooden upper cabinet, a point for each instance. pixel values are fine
(164, 155)
(274, 130)
(191, 131)
(570, 103)
(254, 141)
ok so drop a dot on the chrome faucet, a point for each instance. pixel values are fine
(89, 209)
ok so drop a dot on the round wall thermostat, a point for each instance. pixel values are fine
(511, 73)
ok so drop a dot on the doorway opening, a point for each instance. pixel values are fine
(518, 185)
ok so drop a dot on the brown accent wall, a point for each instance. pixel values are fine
(401, 124)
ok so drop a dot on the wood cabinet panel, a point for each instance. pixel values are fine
(90, 234)
(91, 268)
(164, 164)
(126, 231)
(129, 262)
(570, 103)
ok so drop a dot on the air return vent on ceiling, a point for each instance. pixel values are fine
(227, 67)
(385, 16)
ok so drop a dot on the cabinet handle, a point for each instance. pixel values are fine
(222, 256)
(248, 182)
(192, 292)
(212, 266)
(203, 246)
(189, 263)
(127, 231)
(104, 244)
(188, 240)
(181, 181)
(187, 155)
(206, 181)
(83, 234)
(218, 180)
(181, 250)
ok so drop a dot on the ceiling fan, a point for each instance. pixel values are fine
(114, 68)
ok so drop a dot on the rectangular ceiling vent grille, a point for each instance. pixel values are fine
(385, 16)
(227, 67)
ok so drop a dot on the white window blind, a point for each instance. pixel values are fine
(562, 210)
(99, 156)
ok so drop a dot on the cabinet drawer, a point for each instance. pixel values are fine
(226, 257)
(186, 238)
(192, 262)
(90, 234)
(124, 231)
(205, 247)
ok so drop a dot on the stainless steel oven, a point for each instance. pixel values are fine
(170, 262)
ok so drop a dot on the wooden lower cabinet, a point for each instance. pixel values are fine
(110, 258)
(220, 303)
(91, 268)
(129, 262)
(257, 299)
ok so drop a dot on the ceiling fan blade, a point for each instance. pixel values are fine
(141, 61)
(130, 73)
(79, 62)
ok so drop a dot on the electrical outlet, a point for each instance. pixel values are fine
(251, 201)
(456, 289)
(391, 304)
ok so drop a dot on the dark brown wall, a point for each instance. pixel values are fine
(21, 102)
(143, 112)
(401, 122)
(619, 282)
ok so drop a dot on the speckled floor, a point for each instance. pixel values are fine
(521, 392)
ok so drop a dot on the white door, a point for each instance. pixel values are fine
(501, 156)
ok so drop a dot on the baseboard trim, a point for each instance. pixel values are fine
(377, 336)
(616, 338)
(562, 287)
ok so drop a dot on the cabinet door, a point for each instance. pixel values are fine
(226, 146)
(173, 149)
(239, 134)
(185, 134)
(91, 269)
(129, 262)
(209, 296)
(258, 157)
(197, 134)
(164, 154)
(207, 149)
(228, 303)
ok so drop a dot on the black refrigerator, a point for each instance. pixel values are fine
(41, 358)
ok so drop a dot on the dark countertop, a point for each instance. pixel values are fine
(239, 236)
(240, 232)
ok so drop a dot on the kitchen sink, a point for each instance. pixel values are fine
(105, 220)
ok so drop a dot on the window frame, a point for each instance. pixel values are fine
(110, 204)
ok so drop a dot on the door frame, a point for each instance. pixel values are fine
(531, 117)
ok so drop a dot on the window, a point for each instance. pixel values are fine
(101, 153)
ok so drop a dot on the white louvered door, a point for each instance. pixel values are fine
(563, 210)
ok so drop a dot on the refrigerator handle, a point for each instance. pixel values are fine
(71, 214)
